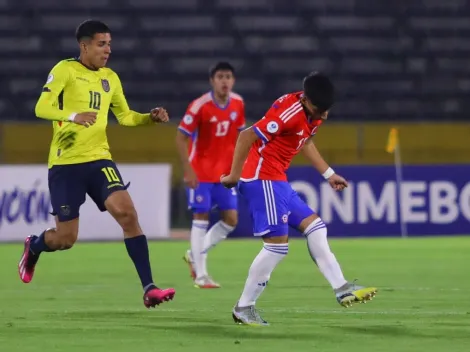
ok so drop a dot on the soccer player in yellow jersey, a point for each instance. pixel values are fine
(76, 98)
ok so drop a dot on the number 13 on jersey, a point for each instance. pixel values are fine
(222, 128)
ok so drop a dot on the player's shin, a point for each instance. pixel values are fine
(198, 232)
(260, 271)
(317, 242)
(137, 248)
(216, 234)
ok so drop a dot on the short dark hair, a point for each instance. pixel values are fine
(89, 28)
(319, 90)
(221, 66)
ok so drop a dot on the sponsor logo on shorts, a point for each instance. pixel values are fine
(285, 217)
(65, 210)
(199, 199)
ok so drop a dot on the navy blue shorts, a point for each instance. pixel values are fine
(69, 185)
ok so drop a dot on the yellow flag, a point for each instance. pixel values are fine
(392, 140)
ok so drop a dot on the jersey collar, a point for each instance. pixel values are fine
(81, 63)
(217, 104)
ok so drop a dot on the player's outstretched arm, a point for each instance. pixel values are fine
(245, 140)
(312, 154)
(128, 117)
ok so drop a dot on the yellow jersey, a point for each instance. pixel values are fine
(73, 88)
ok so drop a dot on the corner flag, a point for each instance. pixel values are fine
(392, 140)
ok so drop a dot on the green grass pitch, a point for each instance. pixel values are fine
(89, 299)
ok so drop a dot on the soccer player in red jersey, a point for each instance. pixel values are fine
(262, 155)
(206, 140)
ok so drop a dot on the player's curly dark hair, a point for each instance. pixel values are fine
(319, 90)
(89, 28)
(221, 66)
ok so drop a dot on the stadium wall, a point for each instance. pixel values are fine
(25, 203)
(341, 144)
(358, 150)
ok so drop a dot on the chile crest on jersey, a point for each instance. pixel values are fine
(233, 115)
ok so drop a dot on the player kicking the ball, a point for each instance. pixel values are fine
(210, 127)
(76, 98)
(262, 155)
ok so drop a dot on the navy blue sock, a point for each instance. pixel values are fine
(138, 250)
(39, 245)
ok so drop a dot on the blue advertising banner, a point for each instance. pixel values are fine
(432, 200)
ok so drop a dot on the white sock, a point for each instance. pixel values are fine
(260, 272)
(217, 233)
(198, 231)
(320, 252)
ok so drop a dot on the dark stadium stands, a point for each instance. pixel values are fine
(391, 60)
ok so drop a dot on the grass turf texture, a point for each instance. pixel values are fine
(89, 299)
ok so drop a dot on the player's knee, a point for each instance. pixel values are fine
(316, 228)
(274, 253)
(280, 240)
(230, 219)
(126, 217)
(306, 223)
(204, 216)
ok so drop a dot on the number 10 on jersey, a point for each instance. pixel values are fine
(95, 100)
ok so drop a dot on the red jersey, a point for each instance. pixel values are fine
(214, 131)
(282, 131)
